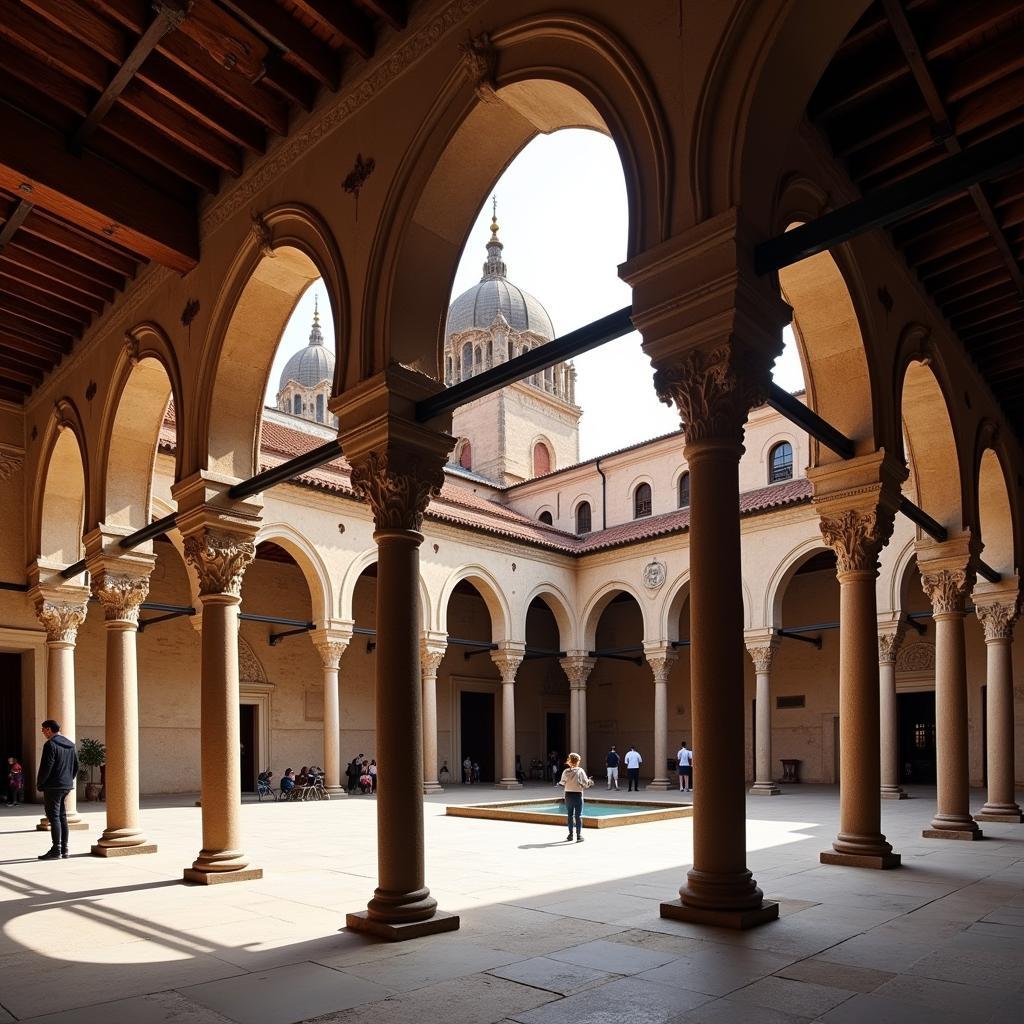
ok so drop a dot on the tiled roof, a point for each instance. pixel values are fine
(465, 508)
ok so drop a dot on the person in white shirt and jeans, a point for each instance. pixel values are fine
(633, 762)
(684, 766)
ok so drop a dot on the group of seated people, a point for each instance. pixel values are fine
(309, 781)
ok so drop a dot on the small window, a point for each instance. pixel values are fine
(545, 517)
(297, 405)
(466, 456)
(781, 463)
(583, 517)
(794, 701)
(448, 371)
(467, 361)
(684, 491)
(319, 408)
(541, 459)
(642, 501)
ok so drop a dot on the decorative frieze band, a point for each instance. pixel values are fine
(220, 560)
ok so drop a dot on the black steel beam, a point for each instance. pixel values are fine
(986, 571)
(592, 335)
(20, 588)
(798, 634)
(912, 622)
(992, 158)
(276, 620)
(919, 517)
(275, 638)
(283, 473)
(155, 528)
(796, 412)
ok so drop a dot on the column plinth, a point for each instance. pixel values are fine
(397, 466)
(946, 578)
(762, 654)
(857, 502)
(508, 658)
(889, 640)
(432, 653)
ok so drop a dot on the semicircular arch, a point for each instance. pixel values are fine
(595, 605)
(559, 606)
(489, 589)
(308, 559)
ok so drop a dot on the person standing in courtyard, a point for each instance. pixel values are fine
(633, 762)
(684, 767)
(612, 762)
(58, 771)
(15, 782)
(574, 781)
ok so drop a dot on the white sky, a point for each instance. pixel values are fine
(563, 219)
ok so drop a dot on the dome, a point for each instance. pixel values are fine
(312, 364)
(494, 295)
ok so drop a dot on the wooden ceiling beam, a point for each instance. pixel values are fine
(10, 353)
(13, 222)
(44, 299)
(968, 319)
(290, 83)
(49, 255)
(25, 276)
(344, 20)
(41, 315)
(392, 11)
(54, 47)
(979, 279)
(19, 374)
(94, 194)
(309, 53)
(983, 68)
(979, 300)
(1012, 321)
(14, 393)
(964, 255)
(44, 341)
(57, 275)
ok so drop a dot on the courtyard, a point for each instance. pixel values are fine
(550, 932)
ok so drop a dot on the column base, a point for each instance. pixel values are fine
(764, 789)
(508, 784)
(439, 922)
(216, 877)
(1000, 812)
(892, 793)
(73, 826)
(333, 791)
(662, 785)
(676, 910)
(951, 833)
(432, 787)
(879, 861)
(122, 851)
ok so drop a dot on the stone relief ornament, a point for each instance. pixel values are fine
(131, 348)
(654, 574)
(916, 657)
(947, 589)
(262, 235)
(889, 644)
(762, 656)
(220, 560)
(997, 619)
(61, 619)
(331, 651)
(120, 594)
(856, 536)
(480, 59)
(11, 460)
(250, 668)
(398, 490)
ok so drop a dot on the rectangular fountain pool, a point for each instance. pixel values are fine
(596, 813)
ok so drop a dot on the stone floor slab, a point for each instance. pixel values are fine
(805, 999)
(430, 964)
(613, 957)
(551, 975)
(160, 1008)
(843, 976)
(716, 970)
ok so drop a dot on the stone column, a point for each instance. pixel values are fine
(857, 502)
(220, 557)
(762, 653)
(121, 594)
(508, 658)
(890, 637)
(331, 645)
(997, 607)
(432, 653)
(660, 659)
(61, 612)
(946, 578)
(397, 467)
(577, 666)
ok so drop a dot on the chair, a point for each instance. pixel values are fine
(264, 788)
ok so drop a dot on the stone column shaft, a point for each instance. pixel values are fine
(331, 647)
(508, 658)
(660, 661)
(762, 654)
(577, 666)
(888, 714)
(431, 656)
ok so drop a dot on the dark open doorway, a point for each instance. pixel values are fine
(557, 734)
(917, 738)
(10, 716)
(247, 739)
(477, 731)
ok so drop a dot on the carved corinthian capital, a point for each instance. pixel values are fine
(397, 488)
(430, 659)
(889, 644)
(947, 589)
(479, 60)
(998, 619)
(856, 536)
(507, 664)
(660, 665)
(762, 656)
(220, 560)
(121, 595)
(331, 651)
(714, 389)
(61, 619)
(577, 669)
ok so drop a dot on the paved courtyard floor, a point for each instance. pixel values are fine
(551, 932)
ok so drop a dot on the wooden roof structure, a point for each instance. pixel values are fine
(117, 117)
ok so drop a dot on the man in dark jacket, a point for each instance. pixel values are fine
(58, 772)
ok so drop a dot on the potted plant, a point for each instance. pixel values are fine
(91, 755)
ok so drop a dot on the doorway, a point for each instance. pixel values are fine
(10, 716)
(917, 737)
(476, 715)
(247, 738)
(556, 735)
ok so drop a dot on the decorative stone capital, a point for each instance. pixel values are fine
(507, 663)
(890, 639)
(577, 668)
(947, 589)
(398, 486)
(660, 658)
(946, 571)
(121, 595)
(762, 653)
(219, 559)
(61, 619)
(856, 536)
(330, 651)
(998, 619)
(431, 656)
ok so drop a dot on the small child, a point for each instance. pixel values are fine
(574, 780)
(15, 782)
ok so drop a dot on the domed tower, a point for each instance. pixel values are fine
(528, 428)
(308, 377)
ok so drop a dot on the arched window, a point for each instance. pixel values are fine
(545, 517)
(466, 456)
(642, 501)
(297, 405)
(541, 459)
(780, 462)
(684, 491)
(448, 371)
(319, 408)
(479, 359)
(583, 517)
(467, 361)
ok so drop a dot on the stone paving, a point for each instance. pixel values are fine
(551, 932)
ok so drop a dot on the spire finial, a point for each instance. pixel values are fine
(494, 218)
(494, 267)
(316, 335)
